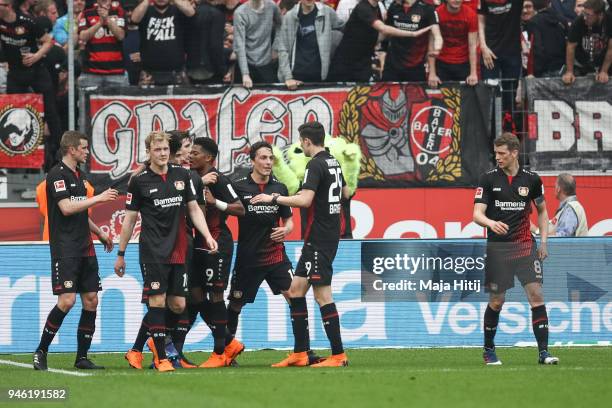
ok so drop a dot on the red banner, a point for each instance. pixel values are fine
(21, 131)
(376, 213)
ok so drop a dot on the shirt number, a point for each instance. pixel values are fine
(335, 189)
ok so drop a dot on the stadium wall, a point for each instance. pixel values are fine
(577, 269)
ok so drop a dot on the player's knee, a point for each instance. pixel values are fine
(66, 302)
(90, 302)
(497, 304)
(323, 299)
(177, 304)
(157, 300)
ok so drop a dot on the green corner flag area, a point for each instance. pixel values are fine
(443, 377)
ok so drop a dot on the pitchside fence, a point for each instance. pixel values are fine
(378, 305)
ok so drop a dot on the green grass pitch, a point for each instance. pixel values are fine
(447, 377)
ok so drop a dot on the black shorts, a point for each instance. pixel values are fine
(75, 275)
(170, 279)
(501, 266)
(246, 281)
(316, 265)
(210, 272)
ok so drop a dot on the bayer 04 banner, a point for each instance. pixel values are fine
(408, 135)
(371, 289)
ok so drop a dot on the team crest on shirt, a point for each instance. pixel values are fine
(478, 193)
(59, 185)
(154, 285)
(180, 185)
(67, 284)
(523, 191)
(415, 18)
(19, 30)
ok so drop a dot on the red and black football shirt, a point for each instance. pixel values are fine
(104, 52)
(324, 176)
(508, 200)
(255, 248)
(69, 235)
(215, 218)
(162, 200)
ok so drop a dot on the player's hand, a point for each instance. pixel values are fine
(106, 241)
(278, 234)
(108, 195)
(499, 227)
(292, 84)
(542, 251)
(568, 78)
(120, 266)
(31, 59)
(210, 178)
(212, 245)
(261, 198)
(210, 199)
(488, 56)
(602, 77)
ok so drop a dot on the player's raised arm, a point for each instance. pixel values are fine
(69, 207)
(303, 199)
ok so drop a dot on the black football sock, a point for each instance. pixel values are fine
(331, 324)
(218, 322)
(299, 321)
(171, 321)
(54, 321)
(143, 334)
(194, 309)
(206, 312)
(539, 319)
(232, 324)
(157, 327)
(180, 330)
(85, 331)
(491, 319)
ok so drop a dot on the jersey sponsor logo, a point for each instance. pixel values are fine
(154, 285)
(59, 185)
(67, 284)
(168, 202)
(78, 198)
(179, 185)
(510, 205)
(523, 191)
(478, 192)
(20, 130)
(263, 209)
(128, 199)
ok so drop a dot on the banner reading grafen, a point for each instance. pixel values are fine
(409, 136)
(21, 131)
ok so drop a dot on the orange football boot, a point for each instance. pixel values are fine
(335, 360)
(294, 360)
(233, 349)
(215, 361)
(151, 346)
(164, 366)
(134, 358)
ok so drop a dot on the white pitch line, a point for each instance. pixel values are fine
(53, 370)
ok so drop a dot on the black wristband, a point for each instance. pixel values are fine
(275, 199)
(120, 253)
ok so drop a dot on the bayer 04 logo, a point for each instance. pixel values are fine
(21, 130)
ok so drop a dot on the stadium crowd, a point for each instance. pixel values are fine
(250, 42)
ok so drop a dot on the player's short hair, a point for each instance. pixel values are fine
(208, 145)
(598, 6)
(313, 131)
(71, 138)
(258, 145)
(509, 140)
(42, 6)
(567, 184)
(176, 140)
(156, 137)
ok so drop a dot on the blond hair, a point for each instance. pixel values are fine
(159, 136)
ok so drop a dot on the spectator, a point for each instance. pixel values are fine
(570, 218)
(405, 58)
(528, 11)
(353, 58)
(566, 9)
(45, 13)
(205, 58)
(285, 5)
(162, 40)
(547, 32)
(578, 9)
(253, 26)
(60, 29)
(588, 44)
(304, 44)
(457, 60)
(19, 38)
(26, 7)
(500, 44)
(102, 29)
(131, 44)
